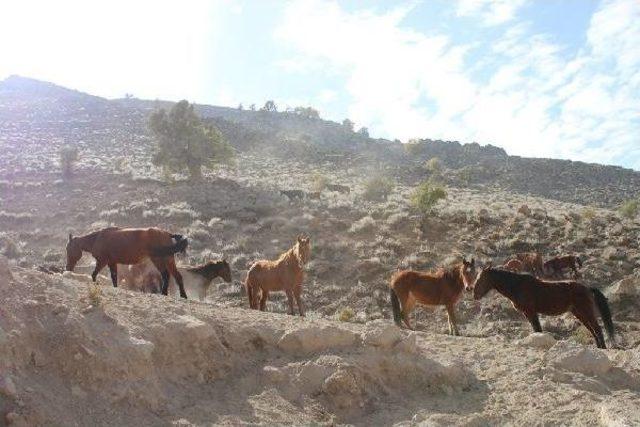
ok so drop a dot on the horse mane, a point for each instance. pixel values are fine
(510, 276)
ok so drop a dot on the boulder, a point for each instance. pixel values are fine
(311, 339)
(381, 333)
(542, 340)
(570, 356)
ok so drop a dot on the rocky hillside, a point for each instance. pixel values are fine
(70, 355)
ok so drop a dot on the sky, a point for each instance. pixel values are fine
(540, 78)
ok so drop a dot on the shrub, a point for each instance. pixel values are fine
(184, 142)
(95, 294)
(378, 188)
(588, 213)
(629, 209)
(68, 155)
(414, 147)
(433, 165)
(346, 314)
(319, 182)
(427, 195)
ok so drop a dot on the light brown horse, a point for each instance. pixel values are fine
(532, 296)
(514, 265)
(284, 274)
(112, 246)
(442, 287)
(556, 265)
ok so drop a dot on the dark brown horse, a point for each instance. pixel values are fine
(442, 287)
(112, 246)
(532, 263)
(556, 265)
(532, 296)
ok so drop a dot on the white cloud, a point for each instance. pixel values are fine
(539, 101)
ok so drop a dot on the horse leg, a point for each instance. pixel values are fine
(165, 282)
(534, 320)
(113, 269)
(173, 270)
(591, 323)
(263, 299)
(407, 304)
(100, 264)
(453, 328)
(290, 301)
(297, 294)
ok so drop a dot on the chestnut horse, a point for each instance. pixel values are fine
(442, 287)
(532, 262)
(532, 296)
(556, 265)
(284, 274)
(514, 265)
(113, 245)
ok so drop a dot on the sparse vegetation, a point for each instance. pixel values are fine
(378, 188)
(629, 209)
(68, 156)
(427, 195)
(346, 314)
(184, 142)
(94, 294)
(588, 213)
(434, 166)
(319, 182)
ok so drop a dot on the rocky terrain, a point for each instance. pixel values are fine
(70, 357)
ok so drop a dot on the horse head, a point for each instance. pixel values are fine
(483, 283)
(225, 270)
(469, 273)
(74, 252)
(303, 249)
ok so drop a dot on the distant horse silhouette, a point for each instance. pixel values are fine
(514, 265)
(112, 246)
(532, 296)
(442, 287)
(532, 263)
(556, 266)
(293, 194)
(144, 277)
(284, 274)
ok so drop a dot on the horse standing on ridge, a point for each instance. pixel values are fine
(113, 245)
(442, 287)
(284, 274)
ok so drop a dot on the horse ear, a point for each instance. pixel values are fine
(70, 237)
(473, 262)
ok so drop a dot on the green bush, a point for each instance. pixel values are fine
(433, 166)
(346, 314)
(378, 188)
(588, 213)
(68, 156)
(629, 209)
(319, 182)
(427, 195)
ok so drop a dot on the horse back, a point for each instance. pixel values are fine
(274, 275)
(129, 245)
(427, 288)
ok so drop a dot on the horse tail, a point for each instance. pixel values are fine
(248, 284)
(395, 305)
(605, 311)
(179, 246)
(177, 237)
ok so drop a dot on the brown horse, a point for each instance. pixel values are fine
(442, 287)
(144, 277)
(284, 274)
(112, 246)
(532, 296)
(514, 265)
(532, 263)
(556, 265)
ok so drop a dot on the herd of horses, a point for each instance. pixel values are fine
(534, 287)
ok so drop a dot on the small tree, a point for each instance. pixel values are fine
(378, 188)
(269, 106)
(427, 195)
(68, 156)
(630, 209)
(348, 124)
(364, 132)
(307, 112)
(184, 142)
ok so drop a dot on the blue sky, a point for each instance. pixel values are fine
(542, 78)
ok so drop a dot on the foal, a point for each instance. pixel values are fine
(443, 287)
(532, 296)
(113, 245)
(284, 274)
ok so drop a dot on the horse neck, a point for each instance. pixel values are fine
(456, 274)
(86, 242)
(290, 259)
(505, 287)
